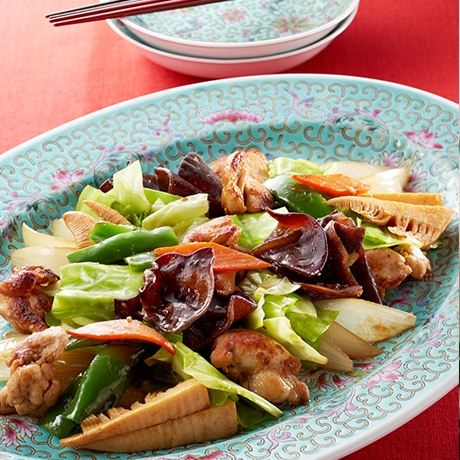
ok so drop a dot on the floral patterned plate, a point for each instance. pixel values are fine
(211, 68)
(318, 117)
(241, 28)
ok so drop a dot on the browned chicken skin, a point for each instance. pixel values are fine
(260, 364)
(220, 230)
(388, 267)
(21, 303)
(33, 385)
(416, 259)
(243, 173)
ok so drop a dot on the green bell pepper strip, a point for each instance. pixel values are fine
(124, 245)
(94, 391)
(297, 197)
(140, 262)
(103, 230)
(54, 420)
(91, 398)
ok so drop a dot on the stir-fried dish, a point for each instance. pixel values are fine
(170, 308)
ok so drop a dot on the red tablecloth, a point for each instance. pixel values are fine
(52, 75)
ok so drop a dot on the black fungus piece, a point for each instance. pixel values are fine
(178, 289)
(196, 172)
(125, 308)
(295, 249)
(347, 262)
(298, 243)
(220, 315)
(150, 181)
(363, 275)
(172, 183)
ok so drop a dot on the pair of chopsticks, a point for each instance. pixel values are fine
(119, 8)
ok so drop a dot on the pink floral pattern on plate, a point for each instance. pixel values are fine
(241, 21)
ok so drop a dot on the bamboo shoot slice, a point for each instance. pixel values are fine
(184, 399)
(425, 199)
(424, 223)
(107, 213)
(80, 225)
(208, 425)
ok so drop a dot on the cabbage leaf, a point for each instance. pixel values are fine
(188, 363)
(88, 290)
(285, 315)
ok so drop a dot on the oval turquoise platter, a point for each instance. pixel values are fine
(318, 117)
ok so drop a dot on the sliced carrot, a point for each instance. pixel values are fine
(122, 329)
(332, 184)
(227, 259)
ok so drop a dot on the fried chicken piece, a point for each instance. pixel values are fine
(220, 230)
(33, 385)
(21, 303)
(260, 364)
(388, 268)
(38, 348)
(416, 259)
(243, 173)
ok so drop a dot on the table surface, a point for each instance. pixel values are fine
(50, 76)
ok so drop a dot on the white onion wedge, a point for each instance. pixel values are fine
(354, 169)
(50, 257)
(352, 345)
(371, 321)
(337, 360)
(33, 238)
(59, 229)
(391, 181)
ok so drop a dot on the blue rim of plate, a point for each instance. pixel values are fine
(322, 117)
(243, 18)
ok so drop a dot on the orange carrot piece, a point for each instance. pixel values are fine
(332, 184)
(122, 329)
(227, 259)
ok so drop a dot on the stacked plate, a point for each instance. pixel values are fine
(238, 37)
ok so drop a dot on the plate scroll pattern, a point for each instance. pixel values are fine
(243, 21)
(317, 117)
